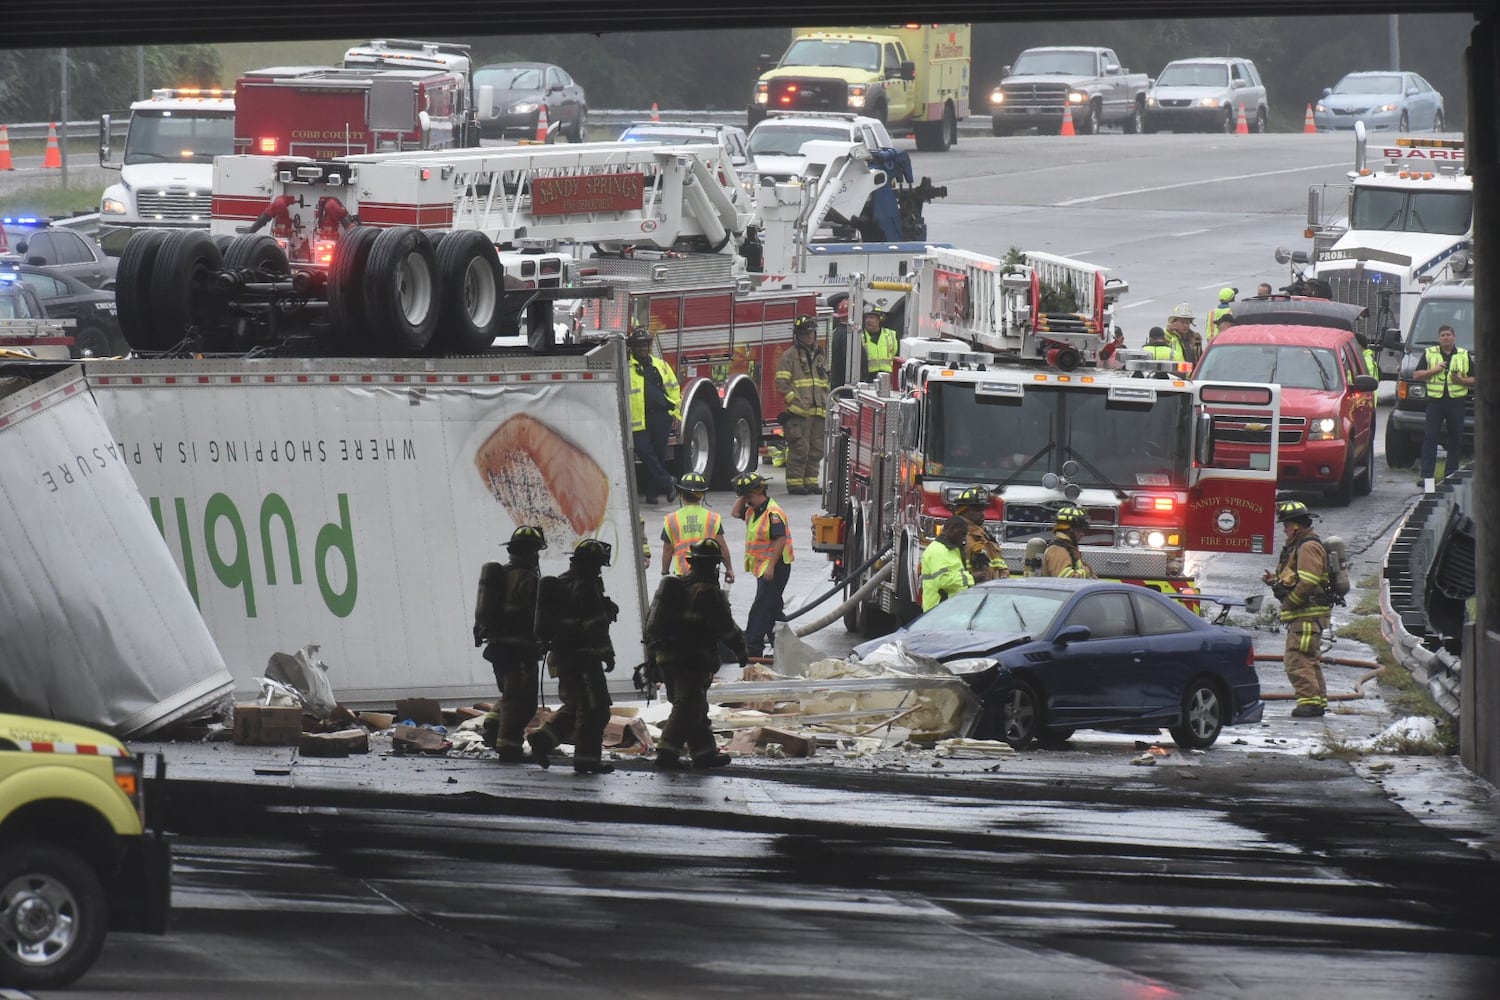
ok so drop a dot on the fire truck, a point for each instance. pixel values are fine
(1405, 220)
(323, 112)
(1135, 447)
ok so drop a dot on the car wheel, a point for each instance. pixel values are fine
(1203, 708)
(1366, 482)
(950, 125)
(854, 555)
(1014, 713)
(53, 916)
(1437, 122)
(908, 607)
(1404, 125)
(403, 291)
(91, 341)
(580, 130)
(996, 128)
(1136, 123)
(1227, 125)
(1342, 494)
(472, 290)
(1400, 451)
(880, 111)
(1091, 120)
(1259, 125)
(185, 301)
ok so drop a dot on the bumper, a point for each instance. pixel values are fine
(1045, 118)
(1251, 708)
(140, 891)
(1197, 119)
(1330, 121)
(1317, 464)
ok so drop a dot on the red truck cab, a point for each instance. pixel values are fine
(1327, 402)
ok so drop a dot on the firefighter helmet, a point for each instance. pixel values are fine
(973, 496)
(841, 309)
(1073, 516)
(804, 324)
(705, 550)
(1292, 510)
(693, 483)
(748, 482)
(638, 335)
(1182, 311)
(1227, 294)
(527, 536)
(593, 550)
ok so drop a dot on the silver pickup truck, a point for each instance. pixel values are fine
(1088, 83)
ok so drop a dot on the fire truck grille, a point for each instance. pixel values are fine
(1019, 515)
(1238, 430)
(1051, 96)
(809, 95)
(174, 205)
(1145, 564)
(1379, 293)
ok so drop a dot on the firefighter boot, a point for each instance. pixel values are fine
(712, 758)
(1307, 710)
(669, 760)
(489, 733)
(512, 755)
(592, 767)
(541, 745)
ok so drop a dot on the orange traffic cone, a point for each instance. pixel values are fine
(655, 112)
(1067, 125)
(1309, 127)
(1242, 127)
(5, 163)
(52, 159)
(542, 124)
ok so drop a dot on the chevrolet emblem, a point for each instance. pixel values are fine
(1257, 427)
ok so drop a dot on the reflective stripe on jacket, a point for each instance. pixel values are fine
(758, 559)
(1440, 385)
(638, 391)
(802, 380)
(1064, 559)
(943, 574)
(688, 524)
(1303, 567)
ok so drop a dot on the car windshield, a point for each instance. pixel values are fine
(1447, 212)
(1107, 437)
(1369, 85)
(787, 140)
(509, 78)
(1293, 366)
(1434, 313)
(1194, 75)
(1064, 63)
(833, 52)
(995, 609)
(178, 136)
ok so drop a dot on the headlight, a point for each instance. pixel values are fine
(971, 665)
(1415, 390)
(1209, 102)
(1320, 108)
(1156, 539)
(762, 93)
(1386, 107)
(524, 108)
(1150, 100)
(1323, 429)
(1132, 537)
(856, 95)
(996, 97)
(1077, 97)
(112, 206)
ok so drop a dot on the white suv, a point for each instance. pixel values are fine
(1206, 95)
(776, 141)
(731, 137)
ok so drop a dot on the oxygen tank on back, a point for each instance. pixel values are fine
(1338, 567)
(1036, 548)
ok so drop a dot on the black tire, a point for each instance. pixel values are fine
(996, 128)
(1403, 124)
(1400, 451)
(1437, 121)
(1055, 739)
(133, 288)
(1343, 494)
(346, 301)
(473, 287)
(855, 620)
(223, 242)
(1227, 125)
(402, 291)
(880, 110)
(580, 129)
(1091, 121)
(185, 300)
(1365, 484)
(90, 340)
(1203, 710)
(950, 125)
(1148, 126)
(62, 895)
(1012, 712)
(697, 442)
(908, 606)
(1136, 123)
(1259, 125)
(739, 443)
(753, 118)
(259, 253)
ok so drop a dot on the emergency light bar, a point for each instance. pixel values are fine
(1007, 390)
(960, 359)
(187, 93)
(1131, 394)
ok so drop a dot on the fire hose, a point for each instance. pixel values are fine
(838, 586)
(1372, 671)
(854, 599)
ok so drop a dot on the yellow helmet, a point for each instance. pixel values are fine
(1073, 516)
(527, 536)
(593, 550)
(1292, 510)
(972, 496)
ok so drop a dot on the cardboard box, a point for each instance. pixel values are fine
(267, 725)
(755, 741)
(419, 711)
(339, 744)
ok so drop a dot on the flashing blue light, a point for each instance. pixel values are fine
(7, 277)
(23, 220)
(1376, 277)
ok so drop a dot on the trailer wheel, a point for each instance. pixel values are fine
(53, 916)
(401, 291)
(346, 301)
(469, 269)
(257, 252)
(739, 443)
(223, 243)
(184, 298)
(133, 288)
(695, 444)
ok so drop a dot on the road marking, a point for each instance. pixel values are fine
(1190, 232)
(1184, 184)
(1134, 305)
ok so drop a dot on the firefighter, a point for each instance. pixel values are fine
(1300, 582)
(505, 623)
(689, 618)
(981, 551)
(573, 616)
(802, 380)
(880, 343)
(768, 557)
(655, 398)
(690, 523)
(1220, 311)
(1185, 342)
(1063, 557)
(943, 571)
(1156, 344)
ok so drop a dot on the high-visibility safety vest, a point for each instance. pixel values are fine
(758, 559)
(688, 524)
(1160, 352)
(638, 391)
(1177, 350)
(1218, 313)
(943, 574)
(1440, 385)
(880, 349)
(1371, 363)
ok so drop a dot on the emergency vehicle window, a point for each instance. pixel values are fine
(987, 437)
(1108, 616)
(44, 285)
(1155, 619)
(1445, 212)
(892, 60)
(1433, 313)
(833, 52)
(1239, 74)
(1125, 444)
(178, 137)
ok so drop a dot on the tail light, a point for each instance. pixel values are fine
(266, 144)
(322, 251)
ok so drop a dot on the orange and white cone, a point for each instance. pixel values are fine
(1067, 125)
(1309, 126)
(5, 163)
(542, 124)
(52, 158)
(1242, 127)
(655, 112)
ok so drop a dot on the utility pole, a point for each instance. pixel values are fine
(140, 72)
(62, 142)
(1393, 28)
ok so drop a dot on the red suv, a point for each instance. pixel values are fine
(1327, 400)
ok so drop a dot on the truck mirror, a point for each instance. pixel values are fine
(908, 70)
(764, 64)
(1390, 339)
(1327, 91)
(1301, 257)
(1110, 69)
(1283, 255)
(1204, 452)
(104, 142)
(1005, 71)
(1365, 383)
(907, 425)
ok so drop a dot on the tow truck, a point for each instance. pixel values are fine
(1407, 222)
(1136, 447)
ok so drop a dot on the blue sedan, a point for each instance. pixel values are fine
(1383, 101)
(1050, 656)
